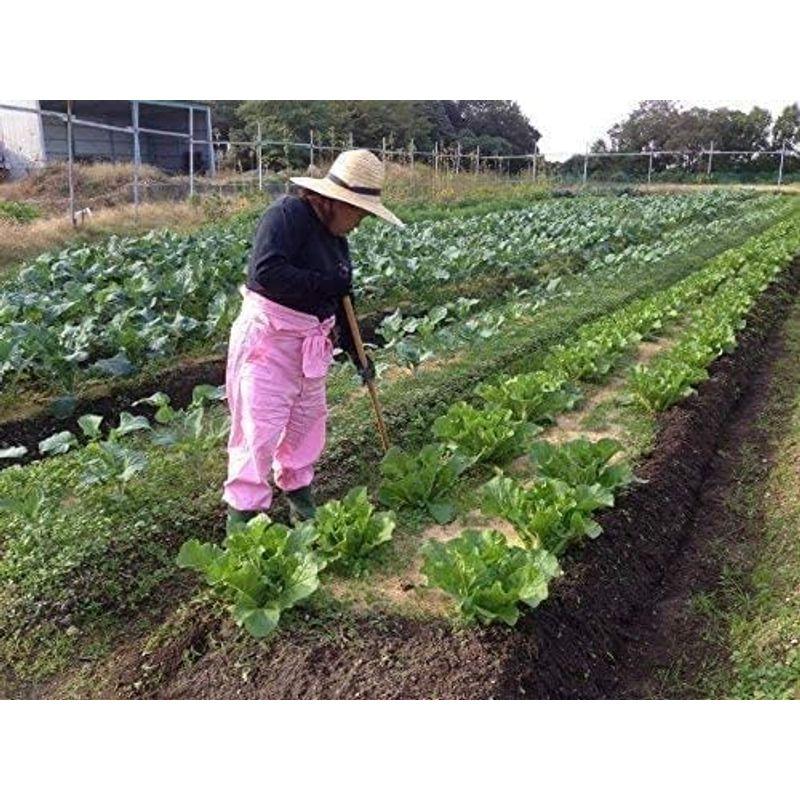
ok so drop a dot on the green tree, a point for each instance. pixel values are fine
(787, 128)
(499, 118)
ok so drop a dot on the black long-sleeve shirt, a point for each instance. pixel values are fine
(297, 262)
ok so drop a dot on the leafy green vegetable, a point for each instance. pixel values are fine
(90, 425)
(582, 462)
(128, 424)
(658, 387)
(422, 480)
(262, 569)
(534, 396)
(110, 462)
(28, 506)
(486, 434)
(13, 452)
(58, 443)
(548, 514)
(119, 366)
(488, 578)
(348, 530)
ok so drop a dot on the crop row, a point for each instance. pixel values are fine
(110, 307)
(262, 569)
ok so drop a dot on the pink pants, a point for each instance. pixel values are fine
(275, 383)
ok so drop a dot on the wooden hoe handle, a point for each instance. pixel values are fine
(362, 357)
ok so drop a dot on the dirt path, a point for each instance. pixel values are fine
(680, 646)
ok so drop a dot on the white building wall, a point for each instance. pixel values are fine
(21, 138)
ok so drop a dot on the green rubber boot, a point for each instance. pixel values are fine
(301, 505)
(237, 518)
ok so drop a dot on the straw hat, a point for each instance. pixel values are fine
(356, 177)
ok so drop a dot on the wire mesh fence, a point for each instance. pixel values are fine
(205, 164)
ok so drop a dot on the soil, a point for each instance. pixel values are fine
(578, 644)
(722, 536)
(177, 382)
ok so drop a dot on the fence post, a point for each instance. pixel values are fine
(477, 159)
(137, 159)
(70, 159)
(311, 149)
(710, 159)
(533, 166)
(458, 157)
(780, 165)
(212, 161)
(260, 154)
(383, 150)
(435, 161)
(191, 151)
(586, 164)
(350, 140)
(649, 166)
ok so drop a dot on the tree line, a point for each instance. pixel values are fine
(662, 125)
(500, 128)
(497, 127)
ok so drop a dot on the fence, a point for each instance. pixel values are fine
(267, 159)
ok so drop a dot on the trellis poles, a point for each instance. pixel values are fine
(137, 158)
(260, 156)
(586, 164)
(191, 152)
(212, 159)
(70, 164)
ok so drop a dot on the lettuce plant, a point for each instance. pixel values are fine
(262, 569)
(347, 531)
(549, 514)
(422, 480)
(582, 462)
(658, 386)
(537, 397)
(483, 434)
(488, 578)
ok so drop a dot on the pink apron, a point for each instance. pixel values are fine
(275, 383)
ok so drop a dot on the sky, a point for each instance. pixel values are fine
(574, 67)
(567, 127)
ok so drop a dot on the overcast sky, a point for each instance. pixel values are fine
(575, 68)
(567, 126)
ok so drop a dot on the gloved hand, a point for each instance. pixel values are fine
(366, 373)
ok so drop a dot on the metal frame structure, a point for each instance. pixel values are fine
(134, 130)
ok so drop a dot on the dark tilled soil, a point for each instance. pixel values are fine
(574, 646)
(722, 536)
(177, 382)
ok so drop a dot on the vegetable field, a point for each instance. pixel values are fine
(557, 379)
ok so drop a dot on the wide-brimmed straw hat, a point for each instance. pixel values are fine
(356, 177)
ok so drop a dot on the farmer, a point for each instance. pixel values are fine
(282, 341)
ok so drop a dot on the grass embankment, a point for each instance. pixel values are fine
(91, 563)
(750, 617)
